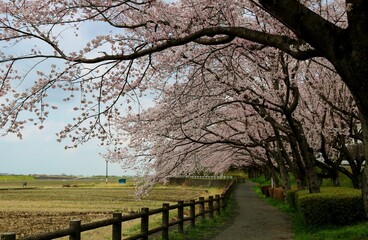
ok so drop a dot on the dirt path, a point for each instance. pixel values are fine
(254, 219)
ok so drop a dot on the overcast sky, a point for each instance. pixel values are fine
(39, 152)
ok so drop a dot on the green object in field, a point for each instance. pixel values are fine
(122, 180)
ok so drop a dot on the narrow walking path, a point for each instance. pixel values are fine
(254, 219)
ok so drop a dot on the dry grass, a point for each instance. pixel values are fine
(48, 206)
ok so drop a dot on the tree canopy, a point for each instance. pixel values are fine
(241, 82)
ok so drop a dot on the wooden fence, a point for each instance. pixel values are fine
(206, 207)
(216, 177)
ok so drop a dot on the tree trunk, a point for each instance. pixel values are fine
(335, 178)
(273, 173)
(364, 181)
(313, 180)
(307, 154)
(282, 158)
(285, 180)
(297, 165)
(356, 182)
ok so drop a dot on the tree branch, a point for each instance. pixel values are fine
(306, 24)
(294, 47)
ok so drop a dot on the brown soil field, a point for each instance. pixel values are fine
(32, 223)
(44, 208)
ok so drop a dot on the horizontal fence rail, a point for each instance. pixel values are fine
(215, 177)
(209, 207)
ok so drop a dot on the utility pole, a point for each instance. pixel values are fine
(107, 170)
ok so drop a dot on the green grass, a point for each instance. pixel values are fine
(344, 181)
(276, 203)
(17, 182)
(261, 180)
(354, 232)
(15, 177)
(206, 228)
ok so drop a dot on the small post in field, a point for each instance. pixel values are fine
(144, 223)
(107, 171)
(181, 216)
(116, 227)
(76, 226)
(165, 221)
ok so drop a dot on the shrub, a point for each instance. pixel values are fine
(261, 180)
(334, 205)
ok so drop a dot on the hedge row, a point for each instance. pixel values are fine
(334, 205)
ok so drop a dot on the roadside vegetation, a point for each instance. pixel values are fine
(303, 231)
(206, 228)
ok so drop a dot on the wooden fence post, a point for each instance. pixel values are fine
(223, 205)
(76, 226)
(201, 207)
(218, 205)
(165, 221)
(192, 213)
(181, 216)
(7, 236)
(144, 223)
(116, 227)
(210, 206)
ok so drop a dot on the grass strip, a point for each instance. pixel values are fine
(206, 228)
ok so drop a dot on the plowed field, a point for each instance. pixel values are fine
(43, 209)
(32, 223)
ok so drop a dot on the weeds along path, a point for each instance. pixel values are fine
(254, 219)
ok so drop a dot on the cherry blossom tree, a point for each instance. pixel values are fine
(186, 111)
(336, 116)
(214, 108)
(143, 36)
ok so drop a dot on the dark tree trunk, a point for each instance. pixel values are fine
(272, 172)
(354, 72)
(298, 165)
(335, 178)
(285, 180)
(364, 182)
(282, 157)
(307, 154)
